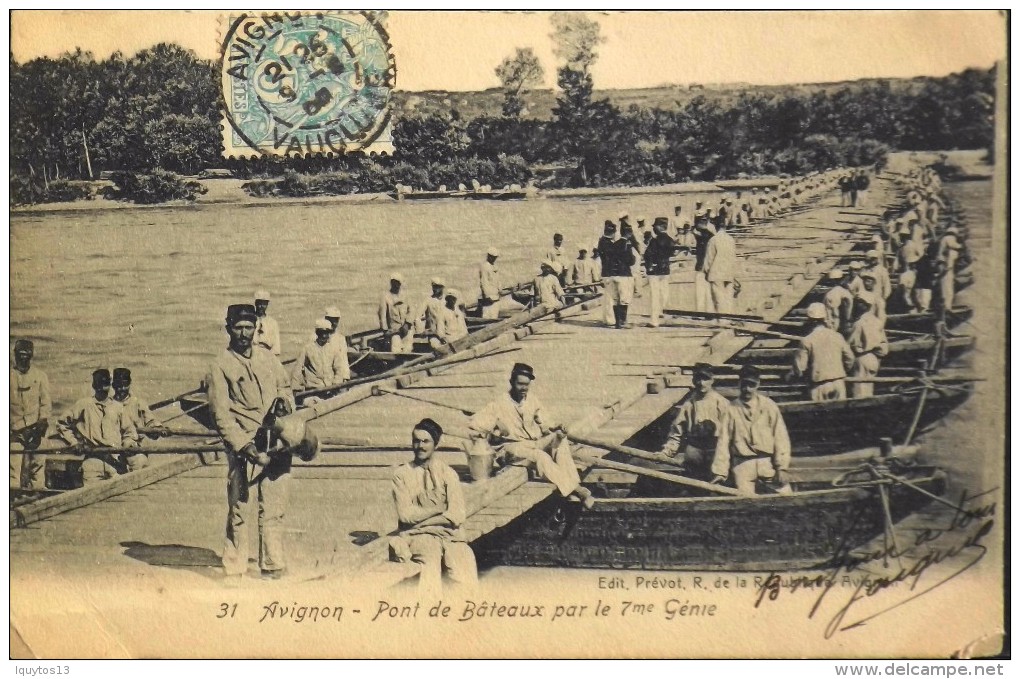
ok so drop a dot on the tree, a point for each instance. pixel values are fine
(517, 74)
(575, 38)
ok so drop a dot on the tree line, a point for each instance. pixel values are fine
(75, 116)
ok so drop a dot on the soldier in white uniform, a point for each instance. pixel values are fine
(488, 279)
(753, 443)
(431, 512)
(695, 430)
(395, 317)
(245, 382)
(823, 358)
(267, 330)
(869, 345)
(96, 422)
(30, 410)
(520, 417)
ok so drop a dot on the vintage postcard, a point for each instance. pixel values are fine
(362, 334)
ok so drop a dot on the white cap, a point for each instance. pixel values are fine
(323, 324)
(452, 292)
(642, 219)
(439, 281)
(493, 252)
(262, 294)
(835, 274)
(332, 312)
(396, 277)
(623, 215)
(816, 311)
(857, 265)
(548, 263)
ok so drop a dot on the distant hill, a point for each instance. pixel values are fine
(541, 102)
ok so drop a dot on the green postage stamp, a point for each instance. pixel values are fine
(305, 83)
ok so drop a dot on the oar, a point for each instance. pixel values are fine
(711, 314)
(753, 331)
(624, 450)
(57, 450)
(196, 434)
(170, 401)
(463, 411)
(641, 471)
(197, 406)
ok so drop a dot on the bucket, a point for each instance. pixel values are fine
(480, 465)
(480, 460)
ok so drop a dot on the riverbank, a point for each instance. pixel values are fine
(228, 192)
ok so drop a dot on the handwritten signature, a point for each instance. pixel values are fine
(962, 537)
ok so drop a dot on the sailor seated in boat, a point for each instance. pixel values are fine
(753, 444)
(452, 323)
(694, 432)
(332, 315)
(321, 362)
(94, 423)
(547, 288)
(520, 420)
(395, 318)
(142, 419)
(431, 510)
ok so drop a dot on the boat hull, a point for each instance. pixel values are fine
(800, 531)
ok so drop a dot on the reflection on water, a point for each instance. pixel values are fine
(147, 289)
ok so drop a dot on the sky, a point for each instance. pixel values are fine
(460, 50)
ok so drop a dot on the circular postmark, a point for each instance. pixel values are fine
(306, 83)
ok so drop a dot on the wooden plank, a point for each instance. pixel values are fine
(81, 497)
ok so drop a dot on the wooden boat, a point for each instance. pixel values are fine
(908, 321)
(824, 427)
(831, 511)
(828, 427)
(905, 352)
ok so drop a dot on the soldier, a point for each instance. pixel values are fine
(617, 258)
(321, 363)
(141, 417)
(869, 345)
(585, 271)
(245, 383)
(949, 251)
(546, 286)
(558, 257)
(427, 318)
(452, 322)
(488, 278)
(99, 422)
(30, 410)
(695, 430)
(753, 443)
(658, 256)
(721, 269)
(823, 358)
(267, 330)
(521, 418)
(703, 233)
(431, 511)
(838, 301)
(395, 318)
(336, 337)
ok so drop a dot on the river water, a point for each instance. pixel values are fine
(147, 289)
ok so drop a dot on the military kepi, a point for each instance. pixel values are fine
(241, 312)
(522, 369)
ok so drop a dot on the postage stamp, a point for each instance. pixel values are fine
(306, 83)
